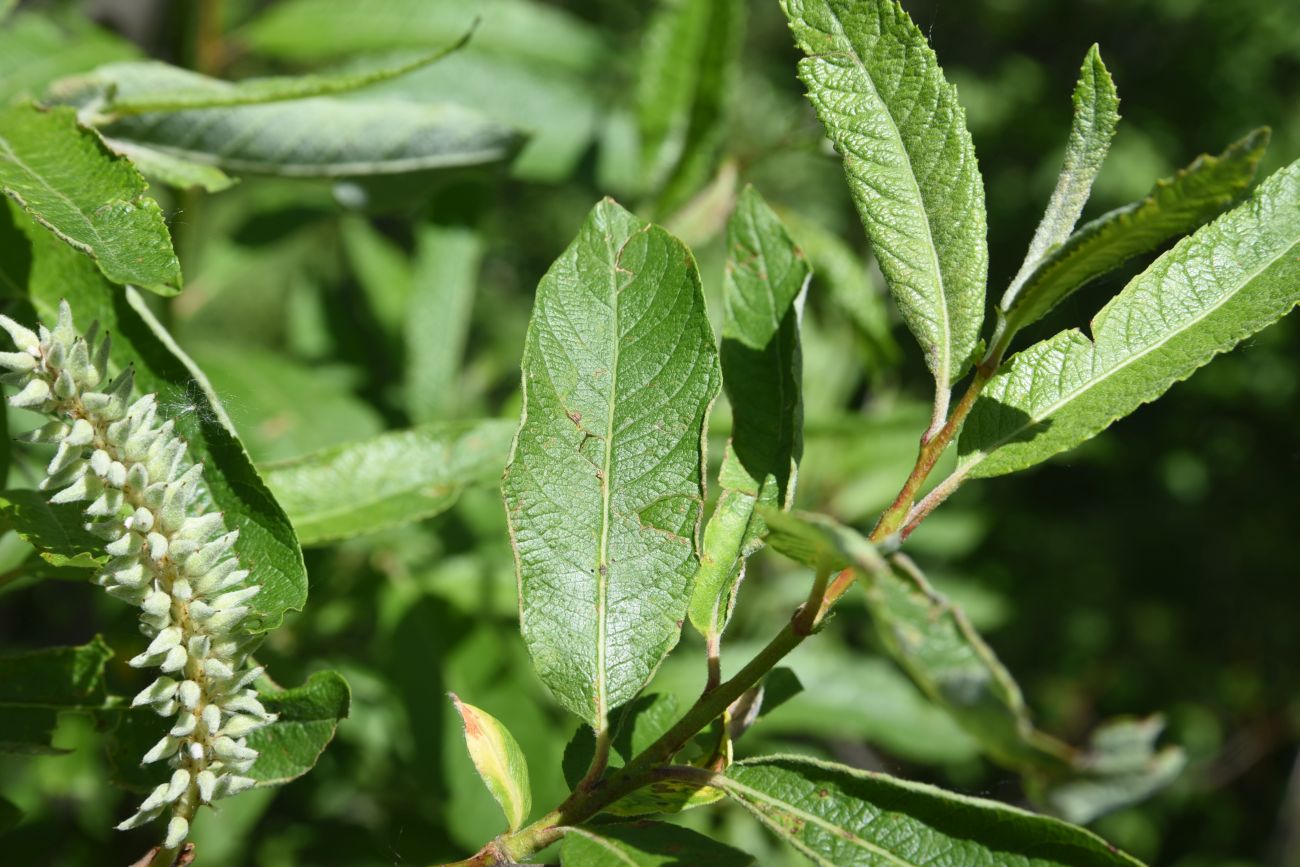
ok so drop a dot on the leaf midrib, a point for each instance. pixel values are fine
(945, 345)
(1037, 418)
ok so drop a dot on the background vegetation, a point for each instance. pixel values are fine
(1151, 571)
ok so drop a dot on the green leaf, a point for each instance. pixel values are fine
(36, 686)
(1215, 288)
(1096, 114)
(1174, 207)
(307, 717)
(499, 761)
(684, 83)
(841, 817)
(933, 641)
(144, 87)
(382, 270)
(58, 532)
(90, 198)
(761, 363)
(645, 844)
(443, 287)
(318, 137)
(37, 48)
(604, 488)
(1121, 766)
(805, 537)
(266, 539)
(910, 163)
(515, 29)
(388, 480)
(171, 170)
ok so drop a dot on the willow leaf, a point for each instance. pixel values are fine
(1212, 290)
(1096, 114)
(882, 97)
(604, 487)
(499, 761)
(761, 363)
(319, 137)
(841, 817)
(1174, 207)
(88, 197)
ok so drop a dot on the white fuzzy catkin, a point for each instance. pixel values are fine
(175, 562)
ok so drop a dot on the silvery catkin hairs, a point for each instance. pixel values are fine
(169, 557)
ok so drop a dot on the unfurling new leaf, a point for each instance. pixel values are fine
(910, 162)
(1096, 114)
(499, 761)
(1176, 206)
(761, 371)
(604, 487)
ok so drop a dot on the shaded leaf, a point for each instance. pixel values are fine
(645, 844)
(266, 539)
(10, 815)
(1096, 114)
(499, 761)
(685, 80)
(307, 717)
(882, 97)
(806, 537)
(1176, 206)
(604, 486)
(443, 286)
(36, 686)
(387, 480)
(842, 817)
(761, 371)
(321, 29)
(90, 198)
(1215, 288)
(58, 532)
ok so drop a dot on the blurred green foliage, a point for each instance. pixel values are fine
(1152, 570)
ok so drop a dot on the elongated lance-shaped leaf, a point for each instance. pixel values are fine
(499, 761)
(1174, 207)
(387, 480)
(761, 371)
(646, 844)
(604, 487)
(91, 199)
(911, 166)
(688, 63)
(841, 817)
(1214, 289)
(171, 170)
(1096, 114)
(318, 137)
(254, 91)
